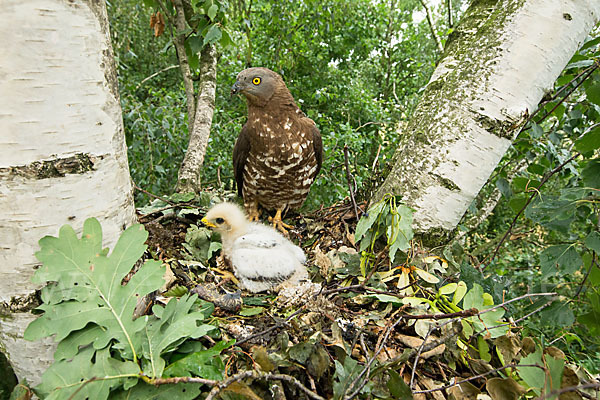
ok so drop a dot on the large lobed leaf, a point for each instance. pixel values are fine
(90, 312)
(88, 286)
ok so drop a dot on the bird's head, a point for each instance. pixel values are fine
(227, 219)
(258, 85)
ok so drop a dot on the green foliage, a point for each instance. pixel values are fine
(355, 67)
(546, 377)
(558, 249)
(103, 351)
(385, 217)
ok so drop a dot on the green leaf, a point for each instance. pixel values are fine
(591, 174)
(460, 292)
(592, 242)
(554, 378)
(169, 326)
(589, 142)
(62, 379)
(397, 387)
(212, 35)
(212, 11)
(534, 377)
(69, 347)
(536, 131)
(76, 264)
(475, 298)
(558, 314)
(366, 220)
(204, 364)
(554, 212)
(593, 93)
(449, 288)
(250, 311)
(180, 391)
(226, 40)
(400, 231)
(562, 259)
(386, 298)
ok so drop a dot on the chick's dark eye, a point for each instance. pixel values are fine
(219, 220)
(256, 81)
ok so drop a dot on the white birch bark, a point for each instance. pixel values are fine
(62, 149)
(498, 64)
(191, 168)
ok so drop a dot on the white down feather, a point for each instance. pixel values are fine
(262, 258)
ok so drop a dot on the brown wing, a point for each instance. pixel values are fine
(317, 142)
(318, 147)
(240, 155)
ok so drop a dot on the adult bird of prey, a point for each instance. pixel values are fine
(279, 151)
(262, 258)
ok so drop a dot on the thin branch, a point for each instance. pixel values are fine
(179, 41)
(136, 187)
(436, 37)
(472, 378)
(350, 181)
(414, 368)
(272, 328)
(587, 274)
(268, 376)
(529, 200)
(367, 367)
(587, 73)
(155, 74)
(449, 7)
(569, 389)
(463, 314)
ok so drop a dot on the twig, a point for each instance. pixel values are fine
(414, 368)
(472, 378)
(272, 328)
(517, 321)
(350, 181)
(136, 187)
(92, 379)
(529, 200)
(155, 74)
(516, 299)
(376, 158)
(268, 376)
(587, 274)
(587, 73)
(367, 367)
(463, 314)
(436, 37)
(570, 389)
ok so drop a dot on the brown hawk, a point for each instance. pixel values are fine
(279, 151)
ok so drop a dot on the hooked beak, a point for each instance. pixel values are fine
(209, 224)
(236, 88)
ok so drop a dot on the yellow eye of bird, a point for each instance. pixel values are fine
(256, 81)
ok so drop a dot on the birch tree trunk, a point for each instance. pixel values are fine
(497, 65)
(62, 150)
(191, 168)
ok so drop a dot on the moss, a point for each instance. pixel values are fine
(447, 183)
(435, 237)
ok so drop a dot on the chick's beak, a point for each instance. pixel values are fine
(207, 223)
